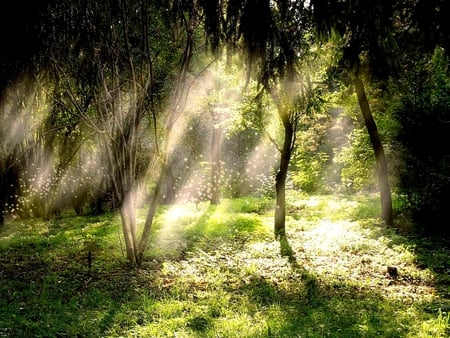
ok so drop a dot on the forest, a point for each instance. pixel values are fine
(224, 168)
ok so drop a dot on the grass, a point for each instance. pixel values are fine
(216, 271)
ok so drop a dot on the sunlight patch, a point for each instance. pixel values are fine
(172, 220)
(176, 212)
(330, 235)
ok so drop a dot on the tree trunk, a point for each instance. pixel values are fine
(280, 180)
(128, 216)
(169, 196)
(215, 159)
(380, 157)
(3, 194)
(149, 218)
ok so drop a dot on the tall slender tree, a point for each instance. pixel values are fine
(274, 37)
(367, 30)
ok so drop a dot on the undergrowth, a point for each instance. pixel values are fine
(217, 271)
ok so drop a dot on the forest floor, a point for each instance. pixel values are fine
(217, 271)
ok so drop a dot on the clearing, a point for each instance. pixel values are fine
(217, 271)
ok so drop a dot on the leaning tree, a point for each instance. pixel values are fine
(367, 50)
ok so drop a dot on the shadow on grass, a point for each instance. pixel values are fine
(91, 305)
(287, 251)
(307, 306)
(316, 311)
(309, 281)
(429, 254)
(212, 230)
(49, 299)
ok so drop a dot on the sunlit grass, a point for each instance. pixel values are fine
(217, 271)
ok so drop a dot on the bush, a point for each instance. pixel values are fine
(423, 113)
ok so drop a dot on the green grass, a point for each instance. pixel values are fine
(216, 271)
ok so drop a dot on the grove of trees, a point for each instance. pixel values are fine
(124, 104)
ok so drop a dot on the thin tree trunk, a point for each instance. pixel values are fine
(149, 218)
(4, 193)
(128, 216)
(181, 95)
(280, 180)
(215, 159)
(169, 186)
(382, 168)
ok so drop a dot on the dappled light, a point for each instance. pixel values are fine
(169, 234)
(224, 169)
(327, 275)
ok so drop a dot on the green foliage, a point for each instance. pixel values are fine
(326, 278)
(309, 175)
(266, 188)
(249, 205)
(312, 154)
(358, 162)
(354, 157)
(423, 113)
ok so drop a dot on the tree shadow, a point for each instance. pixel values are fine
(311, 306)
(287, 251)
(207, 232)
(46, 298)
(309, 281)
(431, 253)
(318, 312)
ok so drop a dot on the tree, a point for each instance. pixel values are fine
(289, 115)
(367, 31)
(274, 36)
(380, 157)
(117, 65)
(39, 144)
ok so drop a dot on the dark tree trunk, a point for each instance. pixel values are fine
(3, 194)
(9, 184)
(169, 196)
(280, 180)
(382, 168)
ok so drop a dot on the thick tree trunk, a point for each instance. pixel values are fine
(280, 180)
(382, 168)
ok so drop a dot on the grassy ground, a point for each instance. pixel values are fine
(218, 272)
